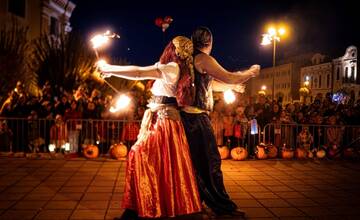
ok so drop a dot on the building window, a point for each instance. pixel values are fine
(353, 73)
(17, 7)
(320, 81)
(345, 79)
(338, 73)
(328, 80)
(54, 26)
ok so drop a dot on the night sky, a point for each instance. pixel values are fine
(321, 26)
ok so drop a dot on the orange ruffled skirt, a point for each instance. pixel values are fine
(160, 179)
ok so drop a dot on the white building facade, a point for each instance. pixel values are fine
(340, 74)
(41, 16)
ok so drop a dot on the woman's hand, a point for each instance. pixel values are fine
(105, 75)
(102, 66)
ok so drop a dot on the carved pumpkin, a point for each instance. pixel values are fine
(320, 153)
(31, 155)
(301, 153)
(310, 154)
(349, 153)
(71, 155)
(261, 152)
(6, 154)
(287, 153)
(333, 153)
(239, 153)
(91, 151)
(118, 151)
(56, 155)
(44, 155)
(19, 154)
(224, 152)
(272, 151)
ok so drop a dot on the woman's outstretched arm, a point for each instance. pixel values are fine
(207, 64)
(131, 72)
(218, 86)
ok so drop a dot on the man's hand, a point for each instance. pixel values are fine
(254, 70)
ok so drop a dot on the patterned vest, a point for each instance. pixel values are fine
(204, 96)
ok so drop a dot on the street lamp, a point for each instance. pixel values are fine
(273, 36)
(306, 83)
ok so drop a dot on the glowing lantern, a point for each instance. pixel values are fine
(52, 147)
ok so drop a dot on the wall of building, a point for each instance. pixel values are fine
(339, 74)
(282, 81)
(319, 77)
(38, 14)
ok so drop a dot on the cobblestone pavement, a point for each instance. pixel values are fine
(84, 189)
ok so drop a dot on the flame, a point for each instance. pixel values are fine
(99, 40)
(121, 103)
(101, 63)
(229, 96)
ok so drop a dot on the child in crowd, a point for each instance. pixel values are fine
(305, 139)
(59, 133)
(5, 137)
(334, 133)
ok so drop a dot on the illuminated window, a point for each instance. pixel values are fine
(17, 7)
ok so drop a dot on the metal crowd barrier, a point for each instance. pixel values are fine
(26, 135)
(343, 136)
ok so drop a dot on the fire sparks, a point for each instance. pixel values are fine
(100, 40)
(229, 96)
(121, 103)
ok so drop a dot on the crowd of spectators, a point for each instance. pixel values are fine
(73, 116)
(79, 103)
(323, 119)
(58, 116)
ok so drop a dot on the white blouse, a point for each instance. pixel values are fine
(166, 86)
